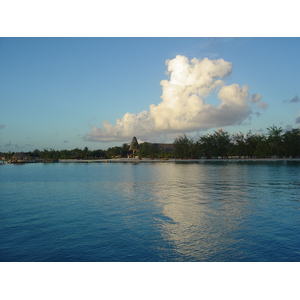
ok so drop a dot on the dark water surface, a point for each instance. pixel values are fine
(207, 211)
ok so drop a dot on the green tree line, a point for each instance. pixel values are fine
(77, 153)
(275, 143)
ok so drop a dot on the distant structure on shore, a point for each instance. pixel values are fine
(19, 157)
(2, 157)
(163, 147)
(134, 145)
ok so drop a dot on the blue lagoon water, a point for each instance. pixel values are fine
(112, 212)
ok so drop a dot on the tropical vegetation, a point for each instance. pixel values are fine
(219, 144)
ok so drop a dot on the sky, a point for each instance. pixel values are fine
(99, 92)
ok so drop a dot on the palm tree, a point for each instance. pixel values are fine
(86, 152)
(275, 138)
(291, 142)
(182, 146)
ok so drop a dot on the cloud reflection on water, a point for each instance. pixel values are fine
(207, 211)
(206, 208)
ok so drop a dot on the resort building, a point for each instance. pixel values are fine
(19, 157)
(2, 157)
(164, 147)
(134, 145)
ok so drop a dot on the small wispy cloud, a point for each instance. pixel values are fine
(64, 142)
(256, 98)
(2, 126)
(295, 99)
(17, 146)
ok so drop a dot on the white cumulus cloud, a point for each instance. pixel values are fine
(185, 106)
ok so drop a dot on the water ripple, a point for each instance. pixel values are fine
(150, 212)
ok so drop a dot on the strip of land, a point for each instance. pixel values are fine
(148, 160)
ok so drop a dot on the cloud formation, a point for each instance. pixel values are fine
(184, 106)
(295, 99)
(256, 98)
(2, 126)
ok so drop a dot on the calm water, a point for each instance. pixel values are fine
(207, 211)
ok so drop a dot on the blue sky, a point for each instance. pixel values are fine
(56, 92)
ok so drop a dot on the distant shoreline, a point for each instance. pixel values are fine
(157, 160)
(147, 160)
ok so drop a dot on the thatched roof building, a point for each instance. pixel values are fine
(134, 145)
(19, 156)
